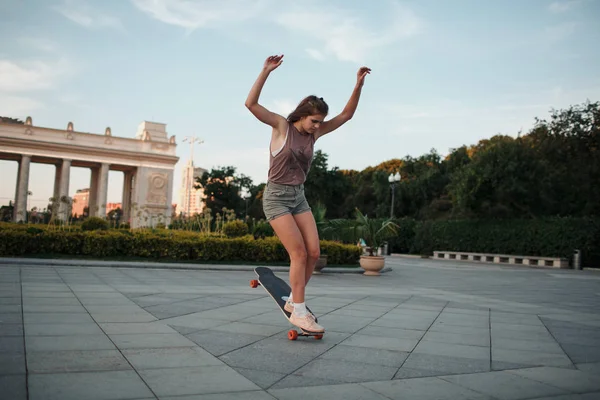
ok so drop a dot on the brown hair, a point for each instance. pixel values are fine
(310, 105)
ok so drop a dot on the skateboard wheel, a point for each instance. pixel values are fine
(318, 337)
(292, 334)
(254, 283)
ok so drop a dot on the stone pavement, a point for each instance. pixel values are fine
(426, 330)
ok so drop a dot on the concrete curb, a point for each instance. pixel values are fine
(158, 265)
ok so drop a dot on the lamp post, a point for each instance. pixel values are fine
(393, 179)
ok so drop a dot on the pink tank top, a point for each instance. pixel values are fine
(291, 165)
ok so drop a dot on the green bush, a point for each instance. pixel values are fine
(235, 228)
(94, 224)
(262, 229)
(544, 237)
(161, 244)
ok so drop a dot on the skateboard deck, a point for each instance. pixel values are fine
(279, 290)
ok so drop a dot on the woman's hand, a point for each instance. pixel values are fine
(272, 63)
(361, 74)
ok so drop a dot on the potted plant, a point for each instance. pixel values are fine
(374, 232)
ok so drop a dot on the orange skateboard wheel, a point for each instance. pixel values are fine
(292, 334)
(254, 283)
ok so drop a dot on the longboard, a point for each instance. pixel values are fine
(279, 290)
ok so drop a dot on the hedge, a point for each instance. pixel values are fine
(160, 245)
(544, 237)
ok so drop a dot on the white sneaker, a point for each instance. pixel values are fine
(306, 323)
(289, 307)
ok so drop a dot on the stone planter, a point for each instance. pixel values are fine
(321, 263)
(372, 265)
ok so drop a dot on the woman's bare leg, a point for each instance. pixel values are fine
(289, 234)
(308, 228)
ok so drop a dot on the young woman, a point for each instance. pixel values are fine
(284, 203)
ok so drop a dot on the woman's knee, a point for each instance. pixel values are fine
(299, 254)
(314, 254)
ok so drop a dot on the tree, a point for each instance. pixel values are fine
(223, 189)
(504, 179)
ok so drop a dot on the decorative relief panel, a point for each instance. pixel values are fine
(157, 189)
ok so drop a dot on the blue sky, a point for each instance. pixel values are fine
(444, 73)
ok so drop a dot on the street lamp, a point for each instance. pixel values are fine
(393, 179)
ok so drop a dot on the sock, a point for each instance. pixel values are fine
(300, 309)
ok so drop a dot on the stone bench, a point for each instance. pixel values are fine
(555, 262)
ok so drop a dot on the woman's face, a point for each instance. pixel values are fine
(311, 123)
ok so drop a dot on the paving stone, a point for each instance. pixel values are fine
(581, 353)
(346, 371)
(531, 358)
(150, 340)
(386, 343)
(109, 385)
(254, 395)
(327, 392)
(342, 323)
(567, 379)
(174, 357)
(75, 361)
(504, 385)
(218, 343)
(85, 328)
(453, 350)
(248, 328)
(12, 363)
(545, 346)
(196, 380)
(423, 388)
(13, 387)
(264, 379)
(57, 318)
(422, 365)
(11, 344)
(115, 328)
(389, 358)
(11, 329)
(469, 339)
(64, 343)
(10, 318)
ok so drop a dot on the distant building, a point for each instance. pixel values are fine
(112, 206)
(80, 202)
(190, 199)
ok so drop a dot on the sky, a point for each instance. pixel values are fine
(444, 73)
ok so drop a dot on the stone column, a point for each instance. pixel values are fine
(169, 210)
(102, 190)
(20, 207)
(56, 192)
(126, 203)
(93, 196)
(64, 209)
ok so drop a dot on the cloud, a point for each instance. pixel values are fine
(282, 107)
(346, 36)
(37, 75)
(39, 43)
(18, 80)
(559, 7)
(316, 54)
(200, 13)
(18, 106)
(557, 33)
(83, 14)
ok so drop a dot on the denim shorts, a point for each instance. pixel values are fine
(280, 199)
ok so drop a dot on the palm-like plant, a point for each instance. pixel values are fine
(373, 231)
